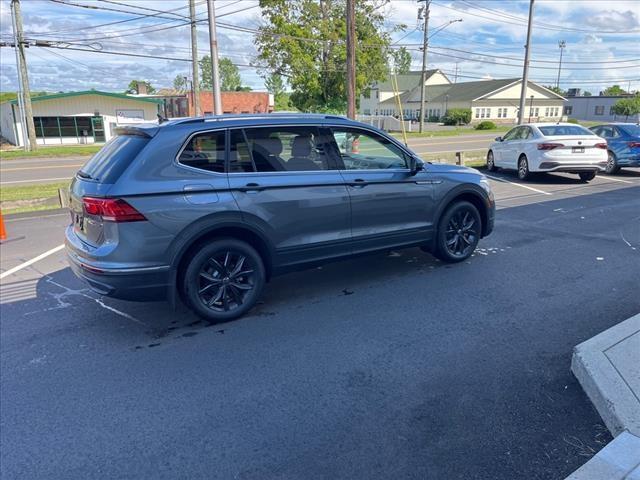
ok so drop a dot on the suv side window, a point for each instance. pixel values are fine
(362, 150)
(275, 149)
(205, 151)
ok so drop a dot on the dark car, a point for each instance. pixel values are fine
(212, 208)
(623, 140)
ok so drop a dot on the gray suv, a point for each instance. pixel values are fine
(211, 208)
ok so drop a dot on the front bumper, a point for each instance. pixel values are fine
(137, 284)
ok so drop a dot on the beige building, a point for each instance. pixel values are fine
(495, 100)
(83, 117)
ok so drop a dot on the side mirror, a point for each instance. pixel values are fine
(498, 139)
(415, 165)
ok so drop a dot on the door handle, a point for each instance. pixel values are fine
(251, 188)
(359, 183)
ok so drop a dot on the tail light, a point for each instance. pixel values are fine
(633, 144)
(111, 209)
(549, 146)
(601, 145)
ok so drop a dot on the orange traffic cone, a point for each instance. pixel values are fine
(3, 232)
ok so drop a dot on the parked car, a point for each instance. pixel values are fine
(549, 147)
(212, 208)
(623, 140)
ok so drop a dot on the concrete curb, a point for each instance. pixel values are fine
(594, 365)
(618, 460)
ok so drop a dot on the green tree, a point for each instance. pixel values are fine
(627, 107)
(180, 82)
(458, 116)
(305, 42)
(557, 90)
(276, 86)
(401, 60)
(133, 86)
(614, 90)
(230, 79)
(586, 93)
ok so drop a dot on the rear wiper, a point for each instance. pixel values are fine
(85, 175)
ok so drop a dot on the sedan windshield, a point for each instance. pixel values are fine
(562, 130)
(633, 130)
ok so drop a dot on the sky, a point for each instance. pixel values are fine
(602, 41)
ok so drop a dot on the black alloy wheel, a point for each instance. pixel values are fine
(224, 280)
(459, 232)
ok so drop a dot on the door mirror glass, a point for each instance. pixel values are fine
(415, 165)
(498, 139)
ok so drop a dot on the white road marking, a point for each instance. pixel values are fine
(614, 179)
(9, 220)
(31, 262)
(36, 180)
(518, 185)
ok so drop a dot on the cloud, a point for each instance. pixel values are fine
(613, 20)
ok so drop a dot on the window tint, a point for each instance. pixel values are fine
(633, 130)
(511, 134)
(558, 130)
(275, 149)
(361, 150)
(205, 151)
(107, 165)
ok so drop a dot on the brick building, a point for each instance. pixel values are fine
(235, 102)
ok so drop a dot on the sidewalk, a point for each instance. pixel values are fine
(608, 368)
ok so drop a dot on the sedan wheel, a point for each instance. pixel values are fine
(612, 164)
(491, 166)
(459, 232)
(224, 280)
(523, 168)
(587, 176)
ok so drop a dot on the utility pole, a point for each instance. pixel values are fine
(215, 73)
(455, 78)
(525, 71)
(562, 44)
(23, 76)
(23, 117)
(425, 43)
(195, 90)
(351, 59)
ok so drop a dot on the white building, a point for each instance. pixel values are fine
(596, 109)
(495, 100)
(77, 117)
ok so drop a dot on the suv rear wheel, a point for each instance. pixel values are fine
(224, 279)
(459, 232)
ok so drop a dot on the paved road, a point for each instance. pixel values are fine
(390, 366)
(30, 171)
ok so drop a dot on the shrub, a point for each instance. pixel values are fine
(486, 125)
(458, 116)
(572, 120)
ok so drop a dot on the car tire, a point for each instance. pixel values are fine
(224, 280)
(587, 176)
(523, 168)
(612, 164)
(491, 164)
(459, 231)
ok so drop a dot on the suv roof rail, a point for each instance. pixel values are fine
(233, 116)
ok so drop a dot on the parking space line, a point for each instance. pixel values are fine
(31, 262)
(37, 180)
(518, 185)
(614, 179)
(19, 169)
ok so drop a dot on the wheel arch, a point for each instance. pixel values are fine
(472, 194)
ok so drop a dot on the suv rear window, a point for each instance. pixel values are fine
(558, 130)
(107, 165)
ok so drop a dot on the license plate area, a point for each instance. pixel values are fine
(577, 149)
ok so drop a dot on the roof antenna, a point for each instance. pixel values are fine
(161, 119)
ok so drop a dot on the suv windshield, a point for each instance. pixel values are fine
(558, 130)
(107, 165)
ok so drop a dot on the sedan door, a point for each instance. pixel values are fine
(389, 206)
(506, 149)
(286, 185)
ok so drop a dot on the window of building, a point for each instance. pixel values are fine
(612, 110)
(546, 112)
(477, 113)
(556, 111)
(205, 151)
(488, 113)
(599, 110)
(56, 127)
(568, 110)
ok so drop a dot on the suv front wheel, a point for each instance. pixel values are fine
(224, 279)
(459, 232)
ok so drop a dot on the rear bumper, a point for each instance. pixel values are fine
(555, 166)
(136, 284)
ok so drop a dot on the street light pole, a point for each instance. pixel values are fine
(562, 44)
(525, 71)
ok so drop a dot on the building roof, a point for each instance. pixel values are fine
(90, 92)
(406, 81)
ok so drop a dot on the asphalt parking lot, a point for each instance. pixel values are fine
(389, 366)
